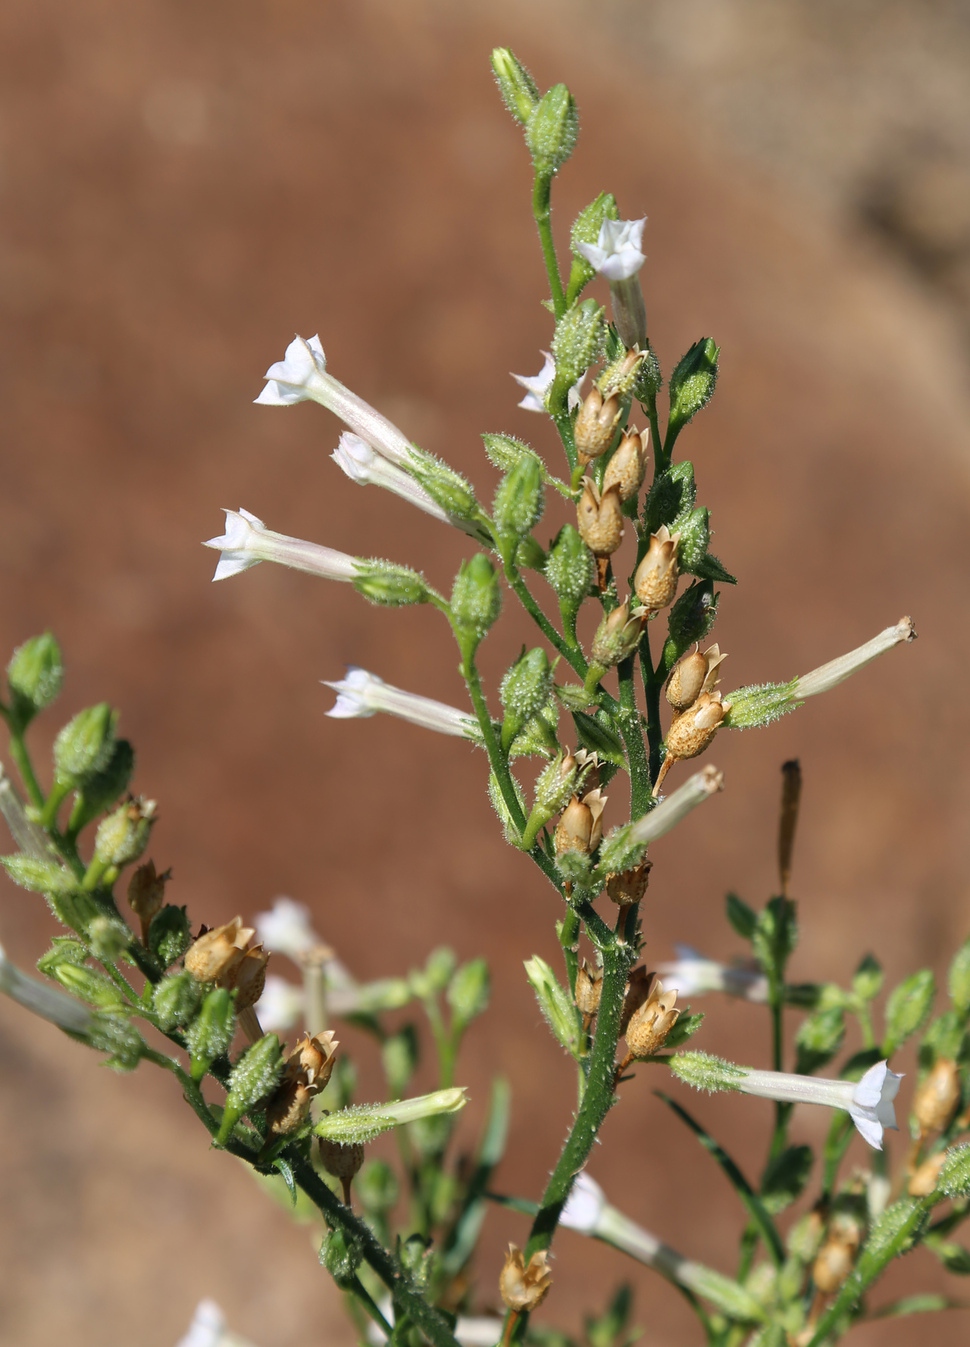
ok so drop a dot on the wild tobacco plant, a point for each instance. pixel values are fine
(570, 716)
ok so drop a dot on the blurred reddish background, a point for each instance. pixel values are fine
(181, 188)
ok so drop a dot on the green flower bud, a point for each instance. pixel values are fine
(341, 1256)
(578, 341)
(556, 785)
(118, 1037)
(123, 835)
(105, 787)
(551, 131)
(210, 1033)
(586, 229)
(506, 452)
(519, 499)
(690, 620)
(34, 674)
(556, 1005)
(524, 692)
(692, 383)
(438, 970)
(84, 746)
(445, 486)
(695, 535)
(595, 736)
(617, 637)
(176, 999)
(169, 935)
(109, 938)
(538, 738)
(356, 1126)
(48, 877)
(389, 585)
(759, 704)
(954, 1180)
(254, 1078)
(89, 986)
(468, 991)
(570, 571)
(475, 599)
(417, 1255)
(519, 90)
(64, 949)
(705, 1072)
(868, 979)
(907, 1008)
(649, 379)
(818, 1039)
(671, 498)
(959, 979)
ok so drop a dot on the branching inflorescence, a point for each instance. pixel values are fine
(637, 556)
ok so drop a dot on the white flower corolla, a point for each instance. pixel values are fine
(616, 253)
(302, 376)
(37, 997)
(584, 1205)
(831, 674)
(208, 1329)
(869, 1101)
(693, 975)
(363, 694)
(538, 385)
(247, 541)
(281, 1005)
(362, 463)
(286, 929)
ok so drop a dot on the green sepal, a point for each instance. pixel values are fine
(519, 91)
(341, 1255)
(93, 988)
(743, 918)
(599, 738)
(446, 487)
(468, 991)
(776, 935)
(83, 748)
(211, 1032)
(570, 570)
(475, 600)
(253, 1078)
(64, 949)
(689, 621)
(685, 1027)
(709, 568)
(907, 1009)
(586, 229)
(35, 675)
(169, 935)
(389, 585)
(578, 341)
(116, 1036)
(692, 384)
(954, 1179)
(694, 534)
(509, 826)
(105, 787)
(176, 999)
(649, 380)
(109, 938)
(518, 503)
(48, 877)
(551, 131)
(362, 1123)
(618, 852)
(557, 1007)
(123, 835)
(703, 1071)
(671, 498)
(759, 704)
(506, 453)
(524, 692)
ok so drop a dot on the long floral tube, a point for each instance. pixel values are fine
(364, 694)
(247, 541)
(693, 975)
(698, 788)
(302, 375)
(363, 464)
(47, 1002)
(25, 833)
(837, 670)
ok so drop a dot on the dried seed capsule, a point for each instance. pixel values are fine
(938, 1097)
(694, 728)
(596, 423)
(651, 1022)
(627, 467)
(589, 988)
(600, 519)
(924, 1180)
(523, 1287)
(657, 575)
(629, 886)
(218, 951)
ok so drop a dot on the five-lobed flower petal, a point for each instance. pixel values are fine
(247, 541)
(616, 253)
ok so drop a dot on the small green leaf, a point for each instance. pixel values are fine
(907, 1008)
(286, 1173)
(743, 918)
(785, 1178)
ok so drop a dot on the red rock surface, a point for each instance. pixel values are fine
(182, 188)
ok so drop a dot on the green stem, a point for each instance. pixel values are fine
(631, 727)
(358, 1289)
(94, 874)
(652, 685)
(569, 939)
(570, 653)
(541, 210)
(404, 1294)
(20, 755)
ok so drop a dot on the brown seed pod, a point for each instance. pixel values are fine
(600, 519)
(656, 577)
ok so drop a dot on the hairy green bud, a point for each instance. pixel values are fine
(954, 1178)
(389, 585)
(868, 979)
(469, 990)
(109, 938)
(35, 675)
(671, 498)
(356, 1126)
(105, 787)
(116, 1036)
(509, 825)
(556, 784)
(617, 637)
(586, 229)
(169, 935)
(570, 571)
(694, 535)
(475, 599)
(123, 835)
(341, 1256)
(690, 620)
(64, 949)
(649, 379)
(176, 999)
(578, 341)
(89, 986)
(556, 1005)
(692, 382)
(907, 1008)
(83, 748)
(524, 692)
(39, 876)
(210, 1033)
(519, 499)
(702, 1071)
(519, 91)
(254, 1078)
(445, 486)
(551, 131)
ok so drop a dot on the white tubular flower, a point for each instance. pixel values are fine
(302, 375)
(616, 253)
(693, 975)
(869, 1101)
(286, 929)
(584, 1205)
(47, 1002)
(208, 1329)
(833, 673)
(470, 1330)
(362, 694)
(537, 387)
(281, 1005)
(362, 463)
(247, 541)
